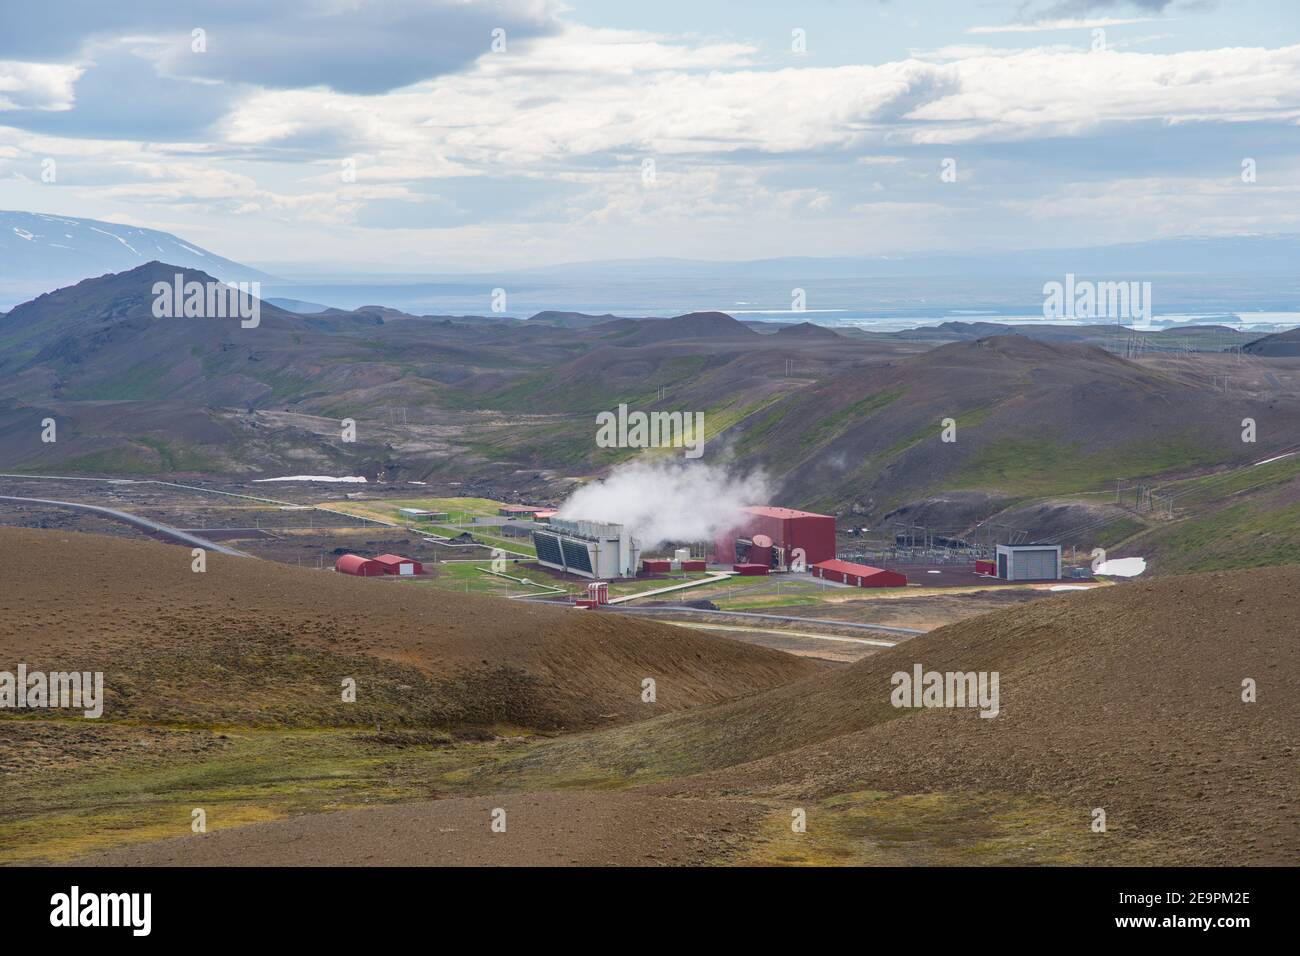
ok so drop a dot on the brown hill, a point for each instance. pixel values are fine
(1126, 698)
(251, 642)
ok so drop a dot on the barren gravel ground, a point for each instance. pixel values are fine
(542, 829)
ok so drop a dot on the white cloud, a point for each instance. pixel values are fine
(37, 86)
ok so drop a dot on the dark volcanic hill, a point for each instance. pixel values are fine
(100, 339)
(807, 330)
(693, 325)
(571, 320)
(1282, 344)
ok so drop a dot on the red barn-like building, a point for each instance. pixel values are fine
(771, 536)
(362, 567)
(396, 564)
(858, 575)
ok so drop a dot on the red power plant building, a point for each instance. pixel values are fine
(858, 575)
(770, 536)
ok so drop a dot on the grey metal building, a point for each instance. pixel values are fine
(1029, 562)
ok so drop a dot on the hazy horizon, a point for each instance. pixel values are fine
(437, 137)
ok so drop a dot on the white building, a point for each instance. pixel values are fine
(593, 549)
(420, 514)
(1029, 562)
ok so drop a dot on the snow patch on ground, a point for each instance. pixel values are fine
(359, 480)
(1122, 567)
(24, 234)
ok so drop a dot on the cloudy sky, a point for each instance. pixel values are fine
(439, 135)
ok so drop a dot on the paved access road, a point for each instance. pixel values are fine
(148, 524)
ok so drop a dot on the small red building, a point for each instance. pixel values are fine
(986, 567)
(750, 570)
(396, 564)
(858, 575)
(656, 566)
(520, 511)
(362, 567)
(695, 565)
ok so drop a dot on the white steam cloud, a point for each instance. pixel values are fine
(669, 500)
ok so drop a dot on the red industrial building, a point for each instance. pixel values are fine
(656, 565)
(362, 567)
(858, 575)
(771, 536)
(520, 511)
(396, 564)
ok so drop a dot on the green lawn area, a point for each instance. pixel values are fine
(465, 576)
(459, 511)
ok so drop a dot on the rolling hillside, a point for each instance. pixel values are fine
(1127, 700)
(254, 643)
(844, 424)
(1032, 419)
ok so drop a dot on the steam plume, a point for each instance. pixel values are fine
(668, 500)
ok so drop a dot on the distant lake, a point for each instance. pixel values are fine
(874, 303)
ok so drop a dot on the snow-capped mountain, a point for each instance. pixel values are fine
(39, 253)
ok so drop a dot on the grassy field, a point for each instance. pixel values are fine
(872, 828)
(1247, 535)
(460, 512)
(1035, 467)
(467, 577)
(249, 776)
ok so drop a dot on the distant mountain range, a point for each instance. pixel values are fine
(1220, 278)
(1226, 255)
(843, 422)
(40, 253)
